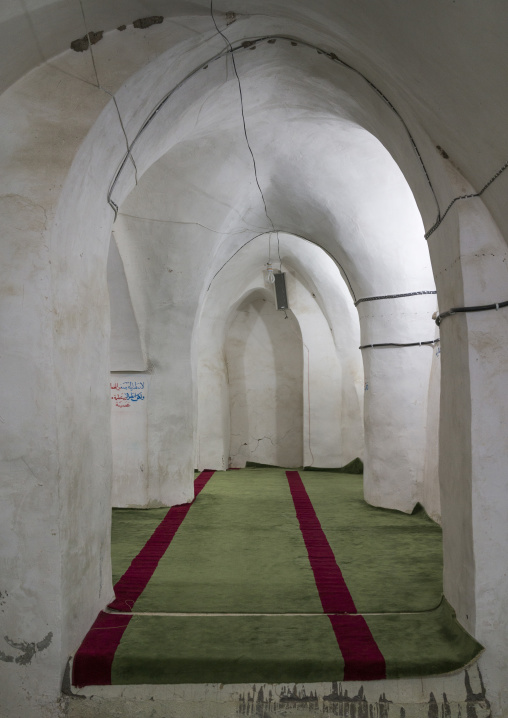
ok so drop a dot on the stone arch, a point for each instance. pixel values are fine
(324, 310)
(58, 317)
(81, 312)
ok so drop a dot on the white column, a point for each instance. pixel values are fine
(396, 389)
(473, 434)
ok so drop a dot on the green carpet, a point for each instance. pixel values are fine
(240, 549)
(276, 649)
(390, 561)
(423, 644)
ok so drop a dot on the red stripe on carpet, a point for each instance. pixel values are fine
(333, 592)
(132, 584)
(94, 658)
(363, 661)
(362, 658)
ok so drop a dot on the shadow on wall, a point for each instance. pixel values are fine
(264, 355)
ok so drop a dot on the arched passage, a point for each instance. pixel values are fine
(264, 359)
(332, 383)
(58, 351)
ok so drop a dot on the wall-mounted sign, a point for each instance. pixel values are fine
(127, 393)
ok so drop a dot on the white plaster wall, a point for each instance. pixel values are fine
(129, 393)
(55, 369)
(212, 403)
(322, 283)
(322, 383)
(129, 402)
(431, 498)
(125, 344)
(264, 359)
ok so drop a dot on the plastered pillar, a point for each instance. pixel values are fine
(396, 388)
(170, 431)
(431, 495)
(473, 446)
(165, 303)
(55, 447)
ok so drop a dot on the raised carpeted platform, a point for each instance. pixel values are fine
(338, 590)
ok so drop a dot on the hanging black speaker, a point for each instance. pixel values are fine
(281, 297)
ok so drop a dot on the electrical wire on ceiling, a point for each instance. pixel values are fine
(465, 196)
(230, 47)
(305, 239)
(249, 43)
(394, 296)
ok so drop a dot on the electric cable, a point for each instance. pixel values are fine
(459, 310)
(393, 344)
(243, 112)
(394, 296)
(243, 45)
(465, 196)
(278, 251)
(149, 119)
(249, 43)
(305, 239)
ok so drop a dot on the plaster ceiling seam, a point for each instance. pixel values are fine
(248, 43)
(99, 86)
(466, 196)
(89, 43)
(395, 296)
(176, 221)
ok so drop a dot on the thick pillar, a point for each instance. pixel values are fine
(164, 282)
(396, 390)
(473, 447)
(55, 450)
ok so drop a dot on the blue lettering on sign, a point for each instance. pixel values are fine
(133, 396)
(133, 385)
